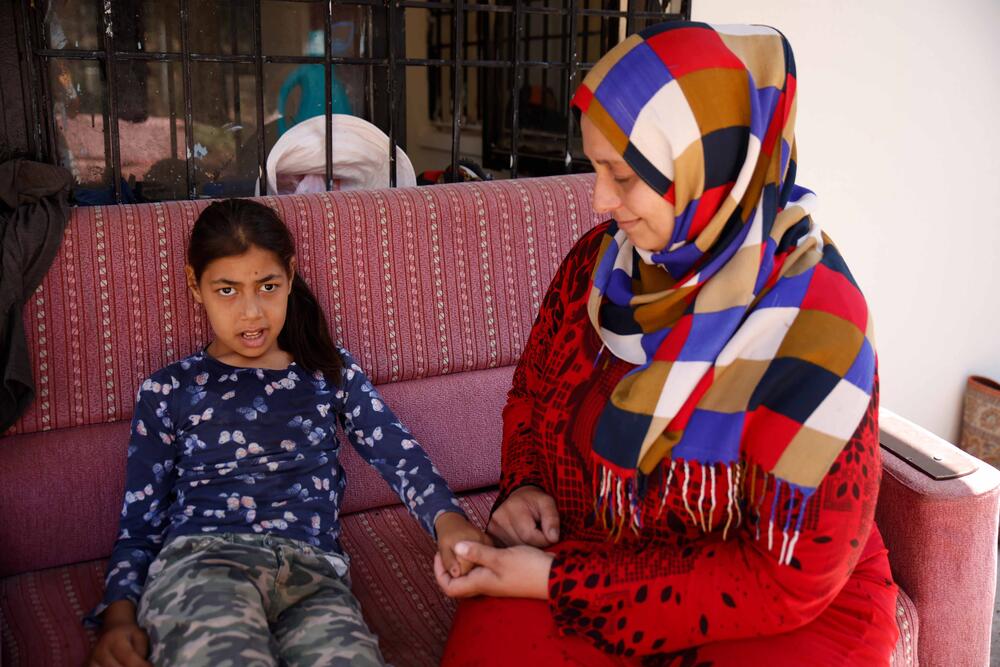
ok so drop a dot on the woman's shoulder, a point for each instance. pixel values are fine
(582, 256)
(590, 242)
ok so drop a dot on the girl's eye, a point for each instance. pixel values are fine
(623, 180)
(226, 291)
(269, 287)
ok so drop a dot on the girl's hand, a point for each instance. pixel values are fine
(122, 643)
(521, 572)
(452, 528)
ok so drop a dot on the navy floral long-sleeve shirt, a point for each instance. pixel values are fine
(220, 449)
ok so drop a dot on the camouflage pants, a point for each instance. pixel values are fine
(252, 600)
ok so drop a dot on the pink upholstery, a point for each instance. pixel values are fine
(942, 541)
(434, 291)
(391, 567)
(909, 632)
(60, 496)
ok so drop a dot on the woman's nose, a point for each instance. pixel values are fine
(606, 197)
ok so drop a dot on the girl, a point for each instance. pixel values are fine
(229, 530)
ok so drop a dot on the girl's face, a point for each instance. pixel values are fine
(245, 297)
(645, 217)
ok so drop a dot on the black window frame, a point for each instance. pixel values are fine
(388, 51)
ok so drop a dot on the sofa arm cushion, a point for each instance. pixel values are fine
(60, 495)
(942, 541)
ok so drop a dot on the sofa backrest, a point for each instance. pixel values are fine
(417, 282)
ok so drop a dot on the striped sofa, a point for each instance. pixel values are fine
(434, 291)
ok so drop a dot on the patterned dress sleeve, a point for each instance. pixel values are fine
(149, 481)
(643, 599)
(382, 440)
(521, 461)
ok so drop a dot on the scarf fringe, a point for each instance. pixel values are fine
(620, 492)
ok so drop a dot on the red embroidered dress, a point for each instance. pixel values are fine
(670, 587)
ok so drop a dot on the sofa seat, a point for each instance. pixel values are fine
(391, 571)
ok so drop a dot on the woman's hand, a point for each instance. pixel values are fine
(452, 528)
(122, 643)
(516, 572)
(528, 516)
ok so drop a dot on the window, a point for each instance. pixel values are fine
(169, 99)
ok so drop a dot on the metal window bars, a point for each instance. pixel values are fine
(387, 51)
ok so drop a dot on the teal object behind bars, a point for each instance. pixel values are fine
(310, 78)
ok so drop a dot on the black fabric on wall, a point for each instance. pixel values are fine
(34, 210)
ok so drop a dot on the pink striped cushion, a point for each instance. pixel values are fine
(41, 611)
(418, 282)
(391, 568)
(905, 654)
(41, 614)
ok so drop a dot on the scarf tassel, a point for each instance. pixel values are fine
(620, 492)
(618, 500)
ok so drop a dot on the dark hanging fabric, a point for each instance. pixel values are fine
(34, 209)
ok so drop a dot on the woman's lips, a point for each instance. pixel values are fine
(626, 225)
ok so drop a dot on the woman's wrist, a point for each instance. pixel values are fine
(542, 586)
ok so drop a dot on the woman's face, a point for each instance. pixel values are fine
(245, 298)
(646, 217)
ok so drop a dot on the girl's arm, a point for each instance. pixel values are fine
(659, 598)
(382, 440)
(149, 479)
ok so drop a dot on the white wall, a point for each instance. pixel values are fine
(898, 135)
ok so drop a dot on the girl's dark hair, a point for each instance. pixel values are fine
(231, 227)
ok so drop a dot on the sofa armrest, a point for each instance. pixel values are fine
(942, 541)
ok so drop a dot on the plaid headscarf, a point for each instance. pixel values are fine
(753, 343)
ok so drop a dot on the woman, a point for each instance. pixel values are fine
(690, 458)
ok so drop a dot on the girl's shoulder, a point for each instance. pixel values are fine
(350, 366)
(352, 376)
(174, 375)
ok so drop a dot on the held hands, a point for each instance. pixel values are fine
(517, 572)
(528, 516)
(452, 528)
(527, 522)
(122, 643)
